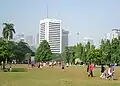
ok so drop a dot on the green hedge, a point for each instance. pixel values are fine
(19, 70)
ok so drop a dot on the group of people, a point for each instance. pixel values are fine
(110, 72)
(44, 64)
(105, 74)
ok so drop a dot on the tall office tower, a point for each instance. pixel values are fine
(50, 30)
(29, 40)
(64, 39)
(88, 39)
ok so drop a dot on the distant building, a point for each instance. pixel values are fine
(64, 39)
(37, 40)
(113, 34)
(51, 30)
(108, 36)
(88, 39)
(33, 48)
(30, 40)
(19, 37)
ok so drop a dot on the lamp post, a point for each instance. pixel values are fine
(78, 33)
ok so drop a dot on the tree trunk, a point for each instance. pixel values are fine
(39, 65)
(28, 62)
(0, 66)
(3, 65)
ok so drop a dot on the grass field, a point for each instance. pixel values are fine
(73, 76)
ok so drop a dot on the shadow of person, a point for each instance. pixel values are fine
(115, 79)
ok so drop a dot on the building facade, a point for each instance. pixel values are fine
(30, 40)
(88, 39)
(64, 39)
(37, 40)
(51, 30)
(19, 37)
(113, 34)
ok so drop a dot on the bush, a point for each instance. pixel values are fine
(6, 70)
(19, 70)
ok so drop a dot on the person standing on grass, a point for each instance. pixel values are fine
(40, 65)
(67, 65)
(63, 67)
(103, 72)
(110, 72)
(90, 70)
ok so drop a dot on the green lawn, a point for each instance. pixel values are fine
(74, 76)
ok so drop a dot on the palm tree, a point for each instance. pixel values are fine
(8, 31)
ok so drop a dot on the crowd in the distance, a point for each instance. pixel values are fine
(45, 64)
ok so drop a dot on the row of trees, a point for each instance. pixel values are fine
(12, 50)
(20, 51)
(108, 52)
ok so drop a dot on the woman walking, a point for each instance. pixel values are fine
(90, 70)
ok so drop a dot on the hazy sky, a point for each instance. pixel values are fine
(92, 18)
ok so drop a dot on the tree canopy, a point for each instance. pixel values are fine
(14, 50)
(44, 52)
(107, 53)
(20, 49)
(8, 31)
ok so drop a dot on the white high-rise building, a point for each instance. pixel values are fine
(51, 30)
(114, 34)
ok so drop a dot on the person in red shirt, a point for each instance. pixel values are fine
(90, 70)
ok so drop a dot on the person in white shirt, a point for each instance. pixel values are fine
(67, 65)
(44, 64)
(110, 72)
(50, 64)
